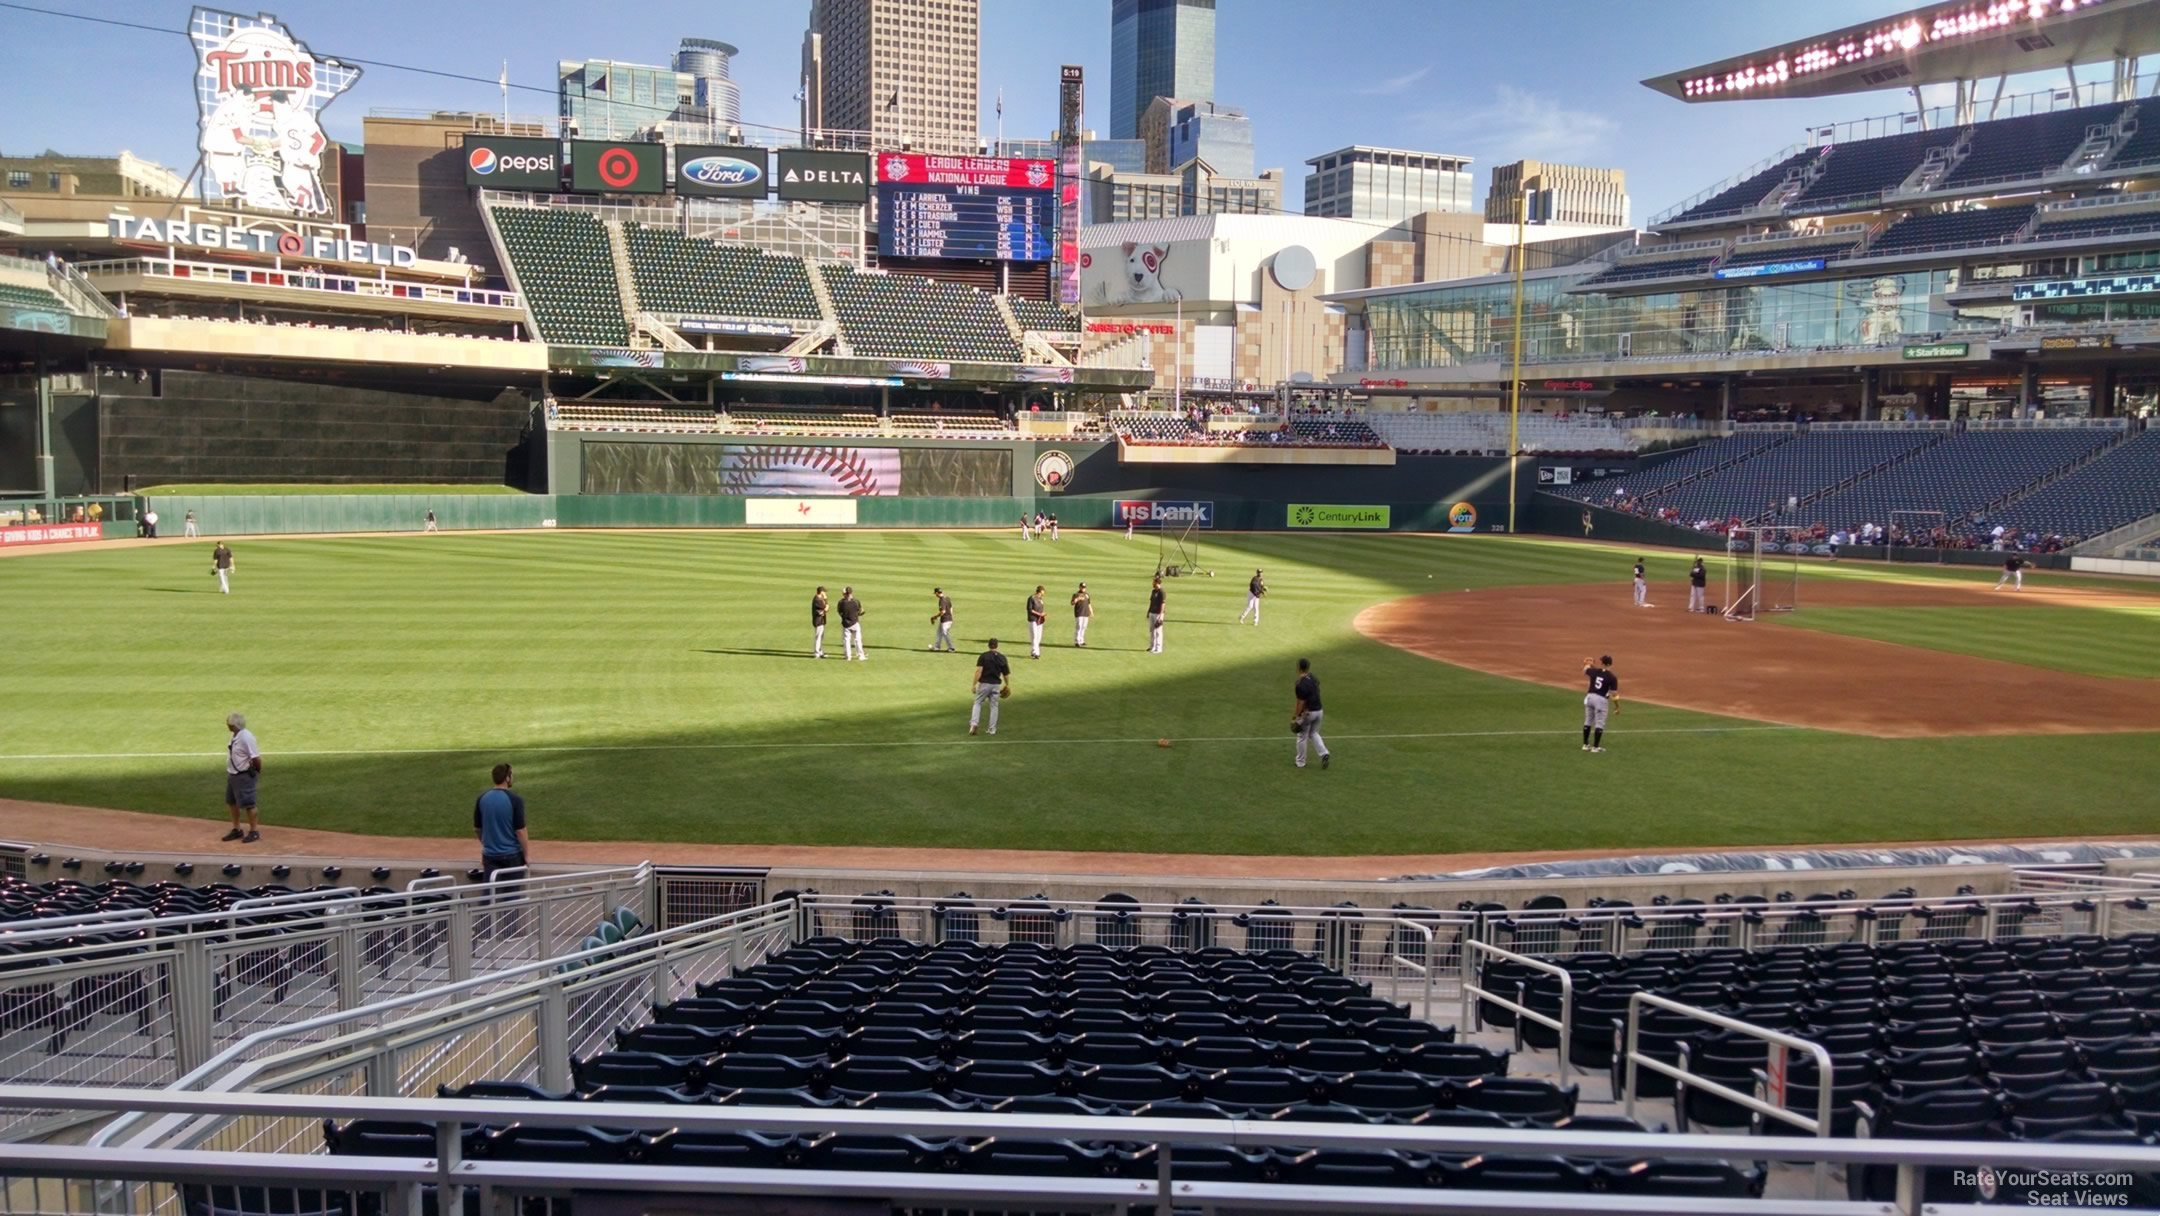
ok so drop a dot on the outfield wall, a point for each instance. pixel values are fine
(1552, 515)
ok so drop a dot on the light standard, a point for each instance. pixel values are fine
(1514, 426)
(1177, 359)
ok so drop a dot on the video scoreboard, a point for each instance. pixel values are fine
(972, 207)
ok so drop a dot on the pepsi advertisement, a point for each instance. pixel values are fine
(499, 162)
(722, 171)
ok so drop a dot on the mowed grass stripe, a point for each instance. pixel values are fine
(690, 648)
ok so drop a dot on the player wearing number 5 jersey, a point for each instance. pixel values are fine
(1598, 702)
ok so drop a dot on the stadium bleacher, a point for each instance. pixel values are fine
(1870, 166)
(16, 296)
(1030, 1028)
(1629, 271)
(1789, 251)
(1043, 316)
(2032, 145)
(1485, 431)
(695, 277)
(1943, 229)
(1694, 462)
(907, 317)
(564, 269)
(2143, 147)
(2099, 222)
(1942, 1037)
(2119, 488)
(1806, 465)
(1749, 191)
(1960, 475)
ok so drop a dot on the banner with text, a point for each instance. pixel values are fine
(1329, 515)
(50, 534)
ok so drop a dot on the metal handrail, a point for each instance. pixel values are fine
(450, 1170)
(1472, 992)
(1824, 1077)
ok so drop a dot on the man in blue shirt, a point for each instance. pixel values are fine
(499, 821)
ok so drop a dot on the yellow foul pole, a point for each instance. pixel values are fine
(1514, 426)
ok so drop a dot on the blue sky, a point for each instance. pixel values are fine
(1555, 80)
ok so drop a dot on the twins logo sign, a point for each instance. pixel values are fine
(258, 91)
(1053, 470)
(1163, 513)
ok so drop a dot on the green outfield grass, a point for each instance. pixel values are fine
(656, 686)
(2120, 640)
(309, 487)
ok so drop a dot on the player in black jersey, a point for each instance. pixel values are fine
(1598, 702)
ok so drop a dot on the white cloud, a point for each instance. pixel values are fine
(1389, 86)
(1517, 123)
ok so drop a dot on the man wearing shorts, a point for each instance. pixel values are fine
(1598, 702)
(243, 764)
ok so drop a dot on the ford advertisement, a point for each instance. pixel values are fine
(1161, 513)
(722, 171)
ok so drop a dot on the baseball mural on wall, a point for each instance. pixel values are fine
(775, 469)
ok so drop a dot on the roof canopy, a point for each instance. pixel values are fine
(1933, 44)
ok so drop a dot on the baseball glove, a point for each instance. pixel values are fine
(1297, 724)
(1004, 692)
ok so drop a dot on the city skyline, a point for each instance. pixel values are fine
(1504, 104)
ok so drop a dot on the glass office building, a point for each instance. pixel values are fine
(1158, 48)
(1474, 320)
(1219, 135)
(603, 99)
(1386, 184)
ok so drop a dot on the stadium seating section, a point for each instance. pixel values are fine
(14, 296)
(1871, 166)
(2119, 488)
(1952, 228)
(2142, 148)
(1942, 1037)
(1155, 428)
(1028, 1028)
(2096, 223)
(1960, 475)
(692, 277)
(2030, 146)
(1806, 464)
(906, 317)
(1046, 317)
(1691, 463)
(562, 264)
(1788, 251)
(1747, 192)
(1629, 271)
(1486, 433)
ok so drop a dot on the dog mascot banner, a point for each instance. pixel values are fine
(259, 95)
(1144, 276)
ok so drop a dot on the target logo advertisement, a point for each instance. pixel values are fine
(608, 167)
(503, 163)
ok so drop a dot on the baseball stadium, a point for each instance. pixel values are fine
(1739, 635)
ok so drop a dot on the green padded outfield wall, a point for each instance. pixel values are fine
(270, 514)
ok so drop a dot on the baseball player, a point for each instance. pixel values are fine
(1155, 602)
(817, 624)
(1642, 588)
(1253, 591)
(1305, 719)
(1025, 534)
(1598, 702)
(221, 565)
(851, 613)
(993, 683)
(190, 523)
(1053, 525)
(1128, 525)
(1697, 577)
(942, 620)
(1083, 608)
(1036, 619)
(1039, 523)
(2013, 573)
(430, 521)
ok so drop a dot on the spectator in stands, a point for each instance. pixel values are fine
(243, 764)
(498, 819)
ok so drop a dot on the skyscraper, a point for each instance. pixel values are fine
(1158, 48)
(904, 70)
(1386, 184)
(1561, 194)
(714, 95)
(604, 99)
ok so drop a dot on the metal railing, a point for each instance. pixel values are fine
(139, 1001)
(147, 1180)
(1473, 992)
(1819, 1126)
(378, 287)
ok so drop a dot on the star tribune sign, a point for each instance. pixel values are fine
(258, 97)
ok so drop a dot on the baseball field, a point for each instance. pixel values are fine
(658, 686)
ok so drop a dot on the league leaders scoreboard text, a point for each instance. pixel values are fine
(977, 207)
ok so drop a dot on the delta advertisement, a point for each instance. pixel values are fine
(1330, 515)
(1161, 513)
(600, 166)
(722, 171)
(501, 162)
(824, 177)
(259, 96)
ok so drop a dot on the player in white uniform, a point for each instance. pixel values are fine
(2013, 573)
(1253, 591)
(1036, 619)
(1642, 589)
(1083, 606)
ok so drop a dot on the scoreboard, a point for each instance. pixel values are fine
(972, 207)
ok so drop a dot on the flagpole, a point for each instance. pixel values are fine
(503, 82)
(1000, 149)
